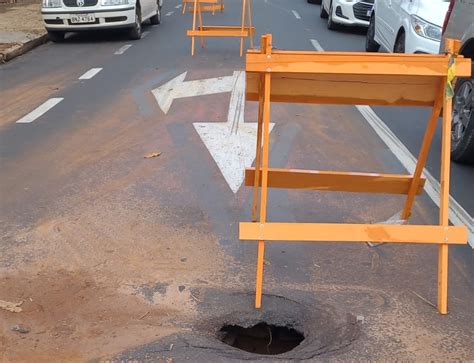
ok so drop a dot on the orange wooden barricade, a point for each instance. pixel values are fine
(203, 31)
(356, 79)
(211, 6)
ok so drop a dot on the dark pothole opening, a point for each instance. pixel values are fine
(261, 338)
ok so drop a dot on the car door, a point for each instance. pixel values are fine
(382, 15)
(148, 8)
(394, 21)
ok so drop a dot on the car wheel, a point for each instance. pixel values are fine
(56, 36)
(399, 46)
(136, 29)
(462, 130)
(156, 19)
(314, 1)
(331, 24)
(323, 13)
(370, 44)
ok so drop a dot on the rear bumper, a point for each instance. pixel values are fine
(60, 19)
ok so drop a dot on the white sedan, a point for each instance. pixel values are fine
(346, 12)
(406, 26)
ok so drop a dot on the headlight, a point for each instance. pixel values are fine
(114, 2)
(425, 29)
(51, 3)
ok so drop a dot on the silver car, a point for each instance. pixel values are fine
(459, 24)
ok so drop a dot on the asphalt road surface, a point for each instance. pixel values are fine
(121, 197)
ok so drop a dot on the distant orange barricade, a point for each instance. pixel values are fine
(355, 79)
(243, 31)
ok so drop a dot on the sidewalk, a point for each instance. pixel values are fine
(21, 28)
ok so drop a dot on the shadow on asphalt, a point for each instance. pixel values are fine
(101, 36)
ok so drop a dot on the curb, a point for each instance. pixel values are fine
(20, 49)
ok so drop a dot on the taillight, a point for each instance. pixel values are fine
(448, 15)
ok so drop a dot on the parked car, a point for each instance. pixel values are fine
(61, 16)
(459, 24)
(406, 26)
(344, 12)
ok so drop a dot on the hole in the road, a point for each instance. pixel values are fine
(261, 338)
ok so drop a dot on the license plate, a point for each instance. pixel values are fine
(82, 18)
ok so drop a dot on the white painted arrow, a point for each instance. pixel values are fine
(178, 88)
(232, 144)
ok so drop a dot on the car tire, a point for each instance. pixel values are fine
(399, 46)
(56, 36)
(370, 44)
(135, 32)
(314, 2)
(156, 19)
(323, 13)
(331, 24)
(462, 130)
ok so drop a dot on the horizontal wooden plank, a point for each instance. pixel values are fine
(355, 63)
(204, 1)
(348, 89)
(208, 8)
(335, 181)
(222, 31)
(333, 232)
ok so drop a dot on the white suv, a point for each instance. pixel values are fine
(346, 12)
(61, 16)
(406, 26)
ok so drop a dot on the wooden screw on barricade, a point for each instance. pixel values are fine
(354, 79)
(199, 30)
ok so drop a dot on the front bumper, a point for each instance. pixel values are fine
(60, 18)
(351, 13)
(417, 44)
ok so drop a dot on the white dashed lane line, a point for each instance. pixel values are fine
(316, 45)
(39, 111)
(295, 13)
(123, 49)
(169, 13)
(144, 34)
(178, 6)
(90, 73)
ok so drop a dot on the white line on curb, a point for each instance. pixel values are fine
(39, 111)
(316, 45)
(169, 13)
(457, 214)
(178, 6)
(295, 13)
(123, 49)
(144, 34)
(90, 73)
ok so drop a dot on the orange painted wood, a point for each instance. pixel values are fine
(355, 63)
(348, 89)
(208, 8)
(336, 232)
(336, 181)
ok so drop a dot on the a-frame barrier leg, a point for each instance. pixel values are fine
(264, 171)
(444, 204)
(249, 10)
(200, 24)
(242, 27)
(258, 153)
(194, 25)
(423, 154)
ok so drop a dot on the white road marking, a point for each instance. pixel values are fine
(177, 88)
(295, 13)
(457, 214)
(316, 45)
(169, 13)
(122, 50)
(90, 73)
(145, 33)
(178, 6)
(232, 143)
(39, 111)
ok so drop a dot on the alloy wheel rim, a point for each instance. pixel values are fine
(462, 111)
